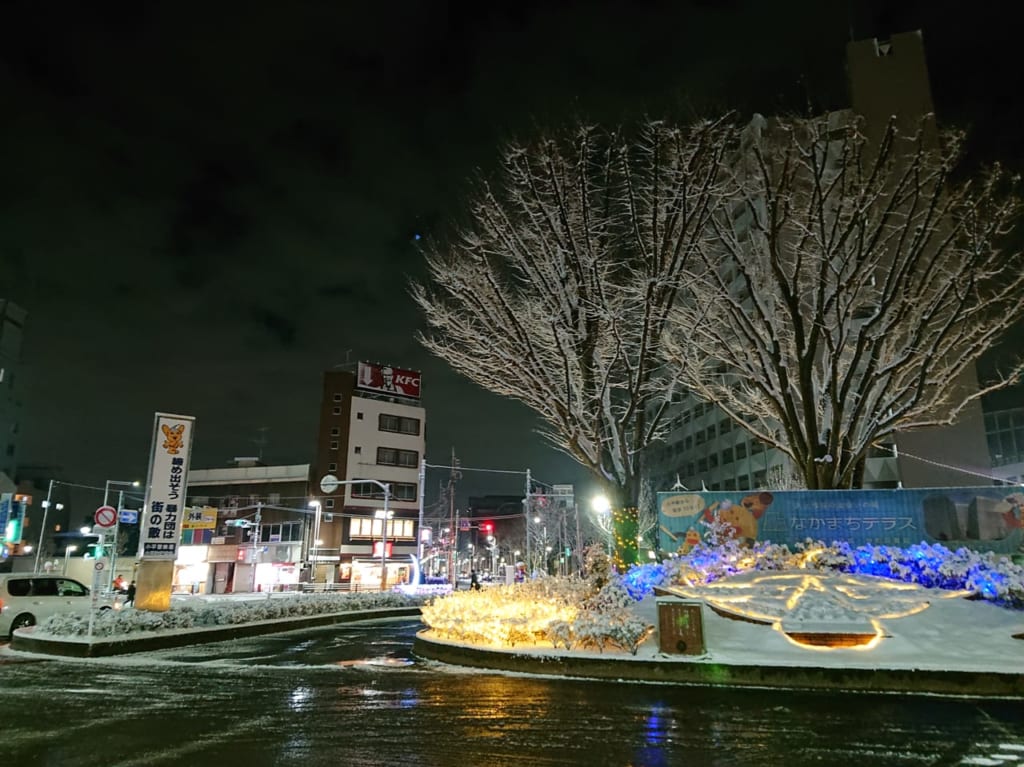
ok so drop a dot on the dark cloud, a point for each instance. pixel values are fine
(203, 209)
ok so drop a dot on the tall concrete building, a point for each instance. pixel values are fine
(12, 323)
(371, 430)
(705, 450)
(890, 79)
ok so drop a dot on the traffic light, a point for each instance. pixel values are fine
(487, 527)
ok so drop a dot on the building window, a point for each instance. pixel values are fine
(329, 503)
(274, 498)
(369, 527)
(334, 444)
(335, 432)
(359, 416)
(399, 424)
(741, 450)
(332, 467)
(337, 397)
(357, 450)
(727, 457)
(390, 456)
(336, 411)
(281, 532)
(400, 491)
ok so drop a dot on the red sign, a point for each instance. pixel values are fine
(389, 380)
(105, 516)
(376, 549)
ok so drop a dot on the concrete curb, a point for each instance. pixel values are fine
(78, 647)
(703, 673)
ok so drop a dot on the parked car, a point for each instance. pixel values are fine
(27, 598)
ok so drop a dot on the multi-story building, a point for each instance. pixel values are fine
(249, 528)
(12, 323)
(706, 450)
(371, 433)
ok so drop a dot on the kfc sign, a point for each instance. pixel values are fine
(388, 380)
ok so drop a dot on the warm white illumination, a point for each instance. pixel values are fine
(600, 504)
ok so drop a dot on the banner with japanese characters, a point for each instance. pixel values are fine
(979, 518)
(164, 513)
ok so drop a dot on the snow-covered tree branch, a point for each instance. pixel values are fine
(847, 289)
(557, 291)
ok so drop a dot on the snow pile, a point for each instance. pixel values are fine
(221, 613)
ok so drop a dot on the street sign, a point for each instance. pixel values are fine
(329, 483)
(128, 517)
(105, 516)
(463, 525)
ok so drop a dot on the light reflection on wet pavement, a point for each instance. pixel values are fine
(355, 695)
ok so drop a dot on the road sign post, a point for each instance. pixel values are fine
(97, 579)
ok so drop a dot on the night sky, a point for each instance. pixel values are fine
(204, 206)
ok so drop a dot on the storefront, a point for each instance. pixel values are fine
(191, 571)
(366, 573)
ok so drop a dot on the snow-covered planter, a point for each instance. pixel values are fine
(223, 613)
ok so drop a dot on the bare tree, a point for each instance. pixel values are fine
(850, 284)
(557, 290)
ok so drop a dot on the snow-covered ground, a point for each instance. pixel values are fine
(919, 628)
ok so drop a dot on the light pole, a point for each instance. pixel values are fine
(315, 542)
(384, 516)
(117, 522)
(68, 550)
(42, 529)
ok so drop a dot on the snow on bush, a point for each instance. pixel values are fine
(598, 612)
(113, 623)
(569, 612)
(989, 576)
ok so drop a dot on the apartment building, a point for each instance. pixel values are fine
(371, 433)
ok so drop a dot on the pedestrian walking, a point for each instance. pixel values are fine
(131, 594)
(474, 581)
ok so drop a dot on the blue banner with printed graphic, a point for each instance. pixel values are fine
(979, 518)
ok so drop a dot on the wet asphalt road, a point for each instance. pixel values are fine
(354, 695)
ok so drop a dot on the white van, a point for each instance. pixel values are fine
(27, 598)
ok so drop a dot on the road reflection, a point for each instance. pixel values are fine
(355, 695)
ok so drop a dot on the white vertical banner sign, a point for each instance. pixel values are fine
(164, 511)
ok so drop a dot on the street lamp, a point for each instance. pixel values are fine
(68, 550)
(117, 521)
(42, 530)
(315, 538)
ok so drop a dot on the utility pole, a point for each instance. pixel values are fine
(526, 516)
(419, 526)
(454, 538)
